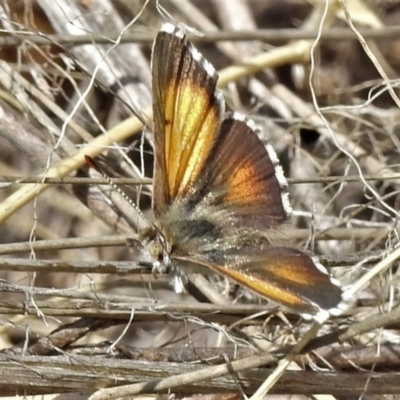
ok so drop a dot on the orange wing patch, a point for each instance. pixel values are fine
(187, 112)
(192, 123)
(263, 287)
(239, 184)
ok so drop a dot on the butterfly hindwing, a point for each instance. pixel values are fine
(246, 177)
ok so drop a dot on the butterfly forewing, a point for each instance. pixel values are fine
(289, 277)
(285, 275)
(187, 114)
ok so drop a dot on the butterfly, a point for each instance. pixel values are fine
(220, 198)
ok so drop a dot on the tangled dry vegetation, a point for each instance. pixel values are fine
(78, 313)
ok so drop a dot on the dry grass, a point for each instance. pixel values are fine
(78, 313)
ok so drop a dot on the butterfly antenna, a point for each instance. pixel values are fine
(92, 164)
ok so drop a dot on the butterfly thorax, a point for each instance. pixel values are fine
(174, 240)
(205, 231)
(186, 234)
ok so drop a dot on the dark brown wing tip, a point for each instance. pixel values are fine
(180, 32)
(343, 303)
(323, 315)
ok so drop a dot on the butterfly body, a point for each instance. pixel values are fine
(220, 198)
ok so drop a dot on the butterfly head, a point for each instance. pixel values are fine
(159, 249)
(156, 248)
